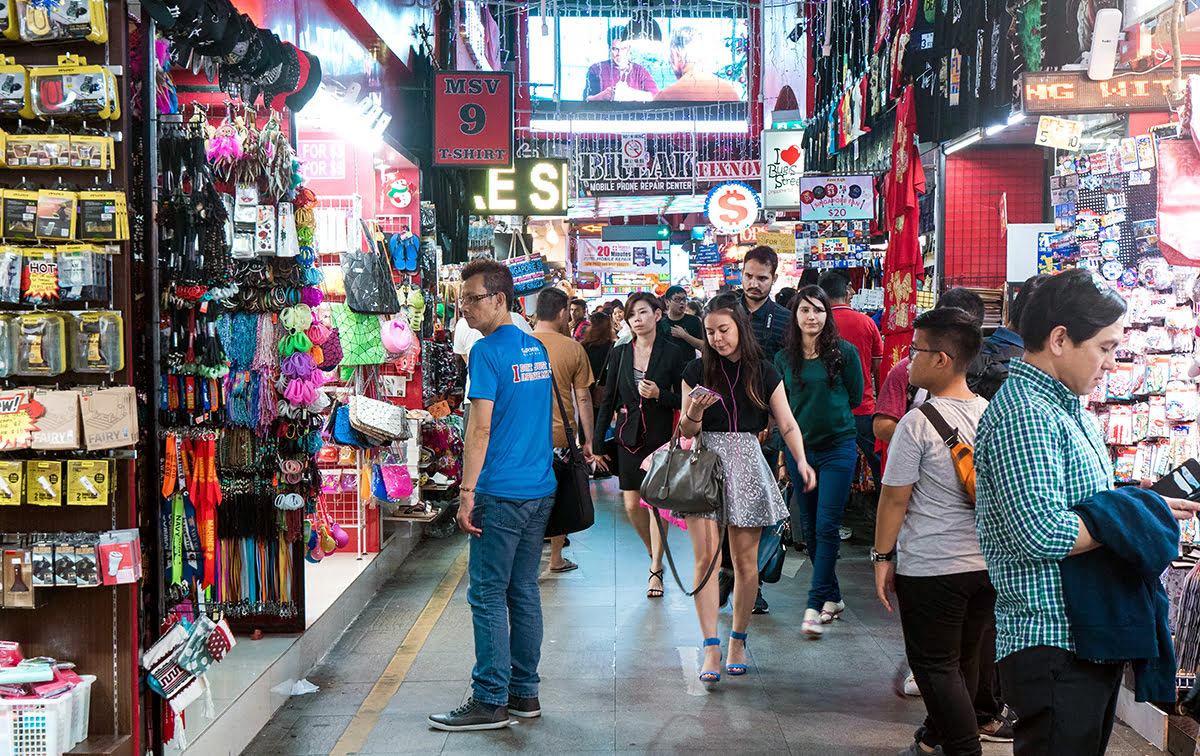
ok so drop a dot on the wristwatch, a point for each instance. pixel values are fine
(877, 557)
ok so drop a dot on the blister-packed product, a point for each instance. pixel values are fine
(99, 342)
(41, 343)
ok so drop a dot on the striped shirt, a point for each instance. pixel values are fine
(1037, 454)
(770, 324)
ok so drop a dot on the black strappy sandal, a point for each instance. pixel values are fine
(655, 592)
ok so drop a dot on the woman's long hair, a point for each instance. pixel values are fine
(829, 348)
(600, 331)
(752, 355)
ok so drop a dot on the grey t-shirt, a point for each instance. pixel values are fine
(938, 535)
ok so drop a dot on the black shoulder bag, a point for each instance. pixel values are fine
(573, 510)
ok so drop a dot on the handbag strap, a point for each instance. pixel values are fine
(671, 560)
(562, 411)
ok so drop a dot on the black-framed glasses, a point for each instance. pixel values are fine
(678, 300)
(470, 300)
(912, 351)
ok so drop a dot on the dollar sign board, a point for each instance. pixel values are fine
(732, 207)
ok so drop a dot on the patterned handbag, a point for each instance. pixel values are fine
(331, 351)
(379, 419)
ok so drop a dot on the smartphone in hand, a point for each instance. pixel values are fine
(700, 392)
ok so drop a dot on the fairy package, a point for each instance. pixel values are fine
(74, 89)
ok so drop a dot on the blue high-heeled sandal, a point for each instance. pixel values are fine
(711, 677)
(736, 669)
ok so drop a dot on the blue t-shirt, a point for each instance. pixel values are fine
(511, 369)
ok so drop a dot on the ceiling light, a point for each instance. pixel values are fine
(964, 141)
(600, 126)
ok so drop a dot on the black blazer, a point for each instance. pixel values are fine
(665, 369)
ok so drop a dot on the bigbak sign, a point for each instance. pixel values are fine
(837, 198)
(603, 172)
(472, 119)
(533, 186)
(782, 168)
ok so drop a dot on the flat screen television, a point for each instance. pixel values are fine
(644, 60)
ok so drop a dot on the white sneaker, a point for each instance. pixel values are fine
(845, 533)
(812, 628)
(831, 611)
(910, 685)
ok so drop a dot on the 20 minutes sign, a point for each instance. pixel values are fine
(473, 119)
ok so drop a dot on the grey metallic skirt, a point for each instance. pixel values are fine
(752, 498)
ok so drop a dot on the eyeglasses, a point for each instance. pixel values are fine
(912, 351)
(470, 300)
(678, 300)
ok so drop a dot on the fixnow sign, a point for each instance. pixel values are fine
(723, 170)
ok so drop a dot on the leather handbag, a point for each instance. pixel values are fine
(573, 510)
(771, 552)
(688, 481)
(379, 419)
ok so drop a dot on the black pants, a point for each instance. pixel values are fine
(1064, 704)
(988, 703)
(944, 619)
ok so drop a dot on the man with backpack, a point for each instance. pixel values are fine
(926, 549)
(990, 368)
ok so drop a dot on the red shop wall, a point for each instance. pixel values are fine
(976, 180)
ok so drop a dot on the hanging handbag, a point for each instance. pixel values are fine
(368, 277)
(685, 481)
(379, 419)
(573, 509)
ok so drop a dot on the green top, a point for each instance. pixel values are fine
(1037, 455)
(690, 323)
(823, 412)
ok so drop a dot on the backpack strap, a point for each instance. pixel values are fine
(949, 435)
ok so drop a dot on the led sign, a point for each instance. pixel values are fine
(1065, 92)
(533, 186)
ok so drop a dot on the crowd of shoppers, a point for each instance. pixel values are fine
(986, 514)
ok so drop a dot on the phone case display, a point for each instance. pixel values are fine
(99, 343)
(41, 340)
(52, 20)
(73, 89)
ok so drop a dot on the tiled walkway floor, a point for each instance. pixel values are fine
(619, 670)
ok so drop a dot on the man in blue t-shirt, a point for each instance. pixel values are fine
(507, 490)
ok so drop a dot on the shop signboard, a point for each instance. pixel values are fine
(732, 207)
(472, 119)
(1072, 92)
(711, 171)
(644, 257)
(783, 242)
(708, 254)
(712, 277)
(601, 169)
(782, 168)
(837, 198)
(533, 186)
(1059, 133)
(321, 159)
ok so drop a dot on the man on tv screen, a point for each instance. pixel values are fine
(693, 83)
(619, 78)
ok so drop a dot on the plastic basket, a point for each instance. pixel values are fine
(81, 703)
(35, 728)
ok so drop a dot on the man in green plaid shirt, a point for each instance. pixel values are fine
(1038, 454)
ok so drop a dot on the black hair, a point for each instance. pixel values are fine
(809, 277)
(964, 299)
(581, 302)
(785, 295)
(835, 284)
(673, 291)
(763, 255)
(750, 375)
(497, 279)
(643, 296)
(1023, 294)
(1078, 300)
(550, 304)
(954, 332)
(829, 341)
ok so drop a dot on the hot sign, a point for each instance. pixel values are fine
(732, 207)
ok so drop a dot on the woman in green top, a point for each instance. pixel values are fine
(824, 382)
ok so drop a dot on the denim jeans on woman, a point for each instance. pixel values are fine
(822, 510)
(504, 597)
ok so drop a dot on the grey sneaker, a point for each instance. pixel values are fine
(524, 707)
(472, 715)
(915, 749)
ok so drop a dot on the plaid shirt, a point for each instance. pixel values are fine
(1037, 454)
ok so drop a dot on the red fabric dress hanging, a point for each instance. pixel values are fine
(903, 267)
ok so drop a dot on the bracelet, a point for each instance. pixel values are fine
(689, 417)
(465, 489)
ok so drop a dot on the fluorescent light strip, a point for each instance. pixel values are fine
(963, 142)
(648, 126)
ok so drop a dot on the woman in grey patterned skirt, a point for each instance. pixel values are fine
(744, 392)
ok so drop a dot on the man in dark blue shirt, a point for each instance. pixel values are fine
(507, 492)
(760, 270)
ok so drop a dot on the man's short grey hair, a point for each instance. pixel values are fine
(689, 43)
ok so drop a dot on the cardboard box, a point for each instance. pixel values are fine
(109, 417)
(58, 428)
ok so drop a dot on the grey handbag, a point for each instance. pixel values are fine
(687, 481)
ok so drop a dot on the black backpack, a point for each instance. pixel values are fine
(989, 369)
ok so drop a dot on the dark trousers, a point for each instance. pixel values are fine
(866, 444)
(944, 619)
(1064, 704)
(988, 703)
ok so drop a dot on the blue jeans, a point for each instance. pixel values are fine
(821, 510)
(504, 597)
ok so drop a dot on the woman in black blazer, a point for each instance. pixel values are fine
(642, 390)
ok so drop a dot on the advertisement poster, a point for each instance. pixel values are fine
(837, 198)
(782, 168)
(784, 243)
(598, 256)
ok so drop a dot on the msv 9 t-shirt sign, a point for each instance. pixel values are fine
(837, 198)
